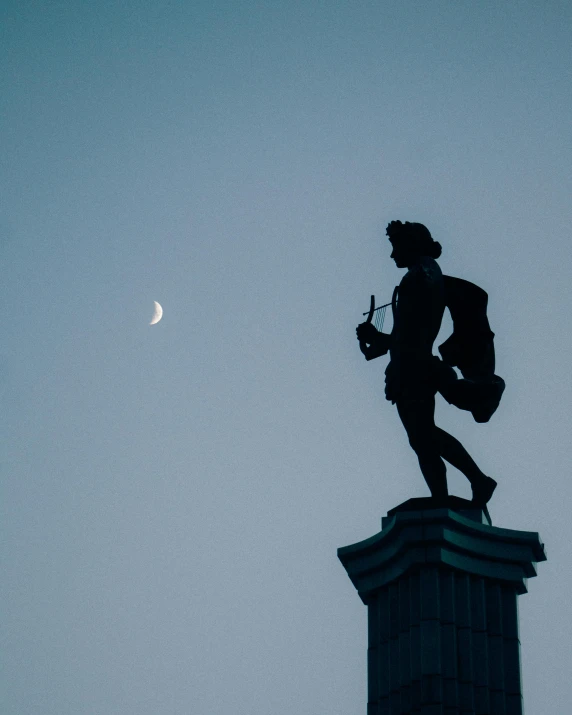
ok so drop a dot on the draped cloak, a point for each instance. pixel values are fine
(414, 373)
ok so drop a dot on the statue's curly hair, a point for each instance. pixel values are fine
(415, 233)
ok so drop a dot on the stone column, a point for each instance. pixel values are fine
(441, 587)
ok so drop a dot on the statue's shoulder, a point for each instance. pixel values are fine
(427, 270)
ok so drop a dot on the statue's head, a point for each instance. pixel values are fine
(410, 241)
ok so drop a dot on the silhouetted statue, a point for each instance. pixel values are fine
(414, 375)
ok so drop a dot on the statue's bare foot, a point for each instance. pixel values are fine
(483, 491)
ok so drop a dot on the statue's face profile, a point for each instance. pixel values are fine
(403, 254)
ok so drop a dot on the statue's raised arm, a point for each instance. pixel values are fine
(372, 341)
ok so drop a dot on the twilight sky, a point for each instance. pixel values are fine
(173, 496)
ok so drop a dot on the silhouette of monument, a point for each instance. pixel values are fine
(439, 581)
(414, 375)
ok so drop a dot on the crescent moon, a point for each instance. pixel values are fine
(157, 313)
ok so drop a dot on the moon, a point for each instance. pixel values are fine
(157, 313)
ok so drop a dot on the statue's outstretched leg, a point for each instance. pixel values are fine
(418, 418)
(454, 452)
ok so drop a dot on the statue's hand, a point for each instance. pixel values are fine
(367, 333)
(372, 343)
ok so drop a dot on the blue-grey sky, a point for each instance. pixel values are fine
(173, 496)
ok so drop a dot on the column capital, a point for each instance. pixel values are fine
(421, 533)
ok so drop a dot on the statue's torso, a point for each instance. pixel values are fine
(418, 312)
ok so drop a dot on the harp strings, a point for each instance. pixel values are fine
(379, 317)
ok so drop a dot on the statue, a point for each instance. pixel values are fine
(414, 375)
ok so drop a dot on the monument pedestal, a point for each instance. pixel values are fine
(441, 587)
